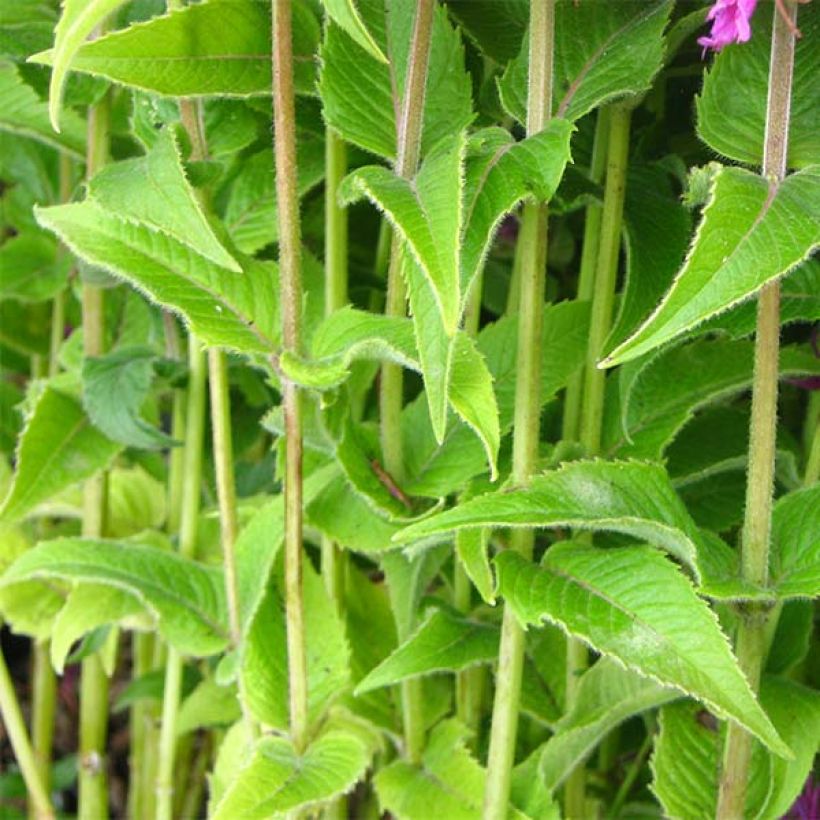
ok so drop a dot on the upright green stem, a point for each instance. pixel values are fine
(752, 626)
(192, 480)
(290, 267)
(606, 275)
(391, 385)
(93, 798)
(589, 262)
(15, 728)
(43, 710)
(336, 276)
(533, 264)
(602, 292)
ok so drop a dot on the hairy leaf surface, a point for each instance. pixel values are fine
(58, 448)
(442, 643)
(607, 695)
(609, 599)
(753, 231)
(187, 598)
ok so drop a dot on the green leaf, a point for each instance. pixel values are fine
(209, 705)
(23, 113)
(448, 782)
(657, 232)
(25, 27)
(471, 394)
(115, 387)
(154, 191)
(218, 48)
(345, 14)
(607, 695)
(224, 309)
(361, 95)
(278, 780)
(732, 106)
(659, 394)
(686, 762)
(609, 599)
(31, 268)
(752, 232)
(78, 19)
(433, 343)
(602, 51)
(792, 638)
(498, 174)
(57, 449)
(795, 557)
(346, 518)
(263, 671)
(627, 497)
(407, 580)
(799, 302)
(496, 26)
(187, 598)
(349, 335)
(442, 643)
(251, 212)
(436, 470)
(471, 549)
(260, 540)
(88, 607)
(426, 214)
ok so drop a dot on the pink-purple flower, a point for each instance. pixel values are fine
(730, 23)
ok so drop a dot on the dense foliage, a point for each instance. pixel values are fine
(455, 453)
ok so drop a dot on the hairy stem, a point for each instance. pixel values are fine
(93, 797)
(15, 728)
(391, 385)
(192, 480)
(589, 262)
(755, 538)
(533, 264)
(290, 264)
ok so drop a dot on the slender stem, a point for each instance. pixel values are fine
(633, 771)
(192, 479)
(15, 727)
(93, 798)
(589, 263)
(391, 385)
(602, 292)
(752, 627)
(606, 274)
(290, 263)
(43, 710)
(533, 263)
(334, 567)
(191, 805)
(225, 487)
